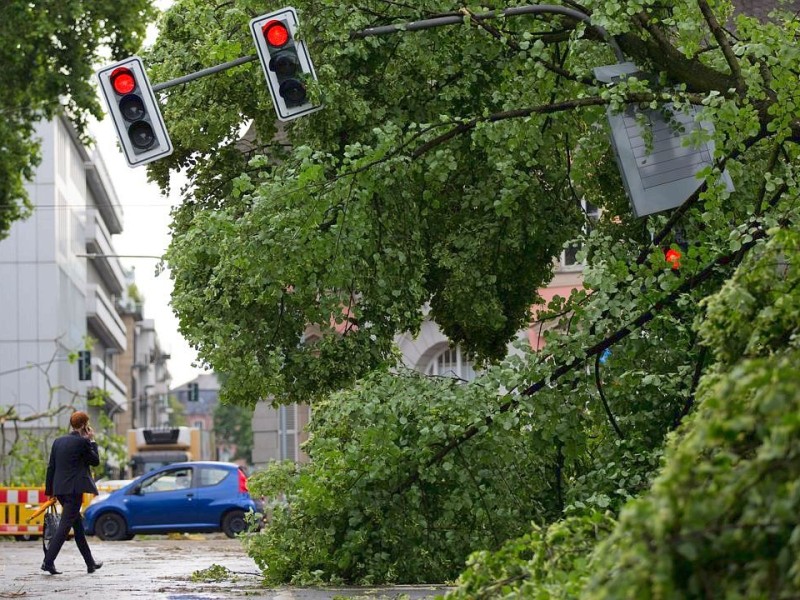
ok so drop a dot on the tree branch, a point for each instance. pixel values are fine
(727, 51)
(494, 32)
(657, 49)
(599, 384)
(620, 334)
(545, 109)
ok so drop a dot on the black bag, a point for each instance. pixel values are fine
(51, 522)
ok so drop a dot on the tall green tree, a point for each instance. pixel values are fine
(446, 171)
(49, 50)
(233, 424)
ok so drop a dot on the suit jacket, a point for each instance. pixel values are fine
(68, 469)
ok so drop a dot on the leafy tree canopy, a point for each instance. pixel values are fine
(446, 172)
(720, 520)
(48, 50)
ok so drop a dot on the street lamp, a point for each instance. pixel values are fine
(659, 174)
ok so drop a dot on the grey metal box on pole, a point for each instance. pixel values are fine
(659, 166)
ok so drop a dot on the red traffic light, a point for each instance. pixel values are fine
(133, 109)
(122, 80)
(673, 257)
(276, 33)
(286, 63)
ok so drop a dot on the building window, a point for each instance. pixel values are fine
(451, 362)
(198, 424)
(569, 257)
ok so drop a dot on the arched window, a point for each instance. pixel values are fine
(451, 362)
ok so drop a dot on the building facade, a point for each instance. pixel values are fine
(199, 412)
(57, 301)
(61, 292)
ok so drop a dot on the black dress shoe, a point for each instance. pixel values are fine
(92, 568)
(50, 569)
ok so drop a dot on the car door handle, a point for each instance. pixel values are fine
(190, 496)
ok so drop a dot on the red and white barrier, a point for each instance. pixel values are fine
(17, 505)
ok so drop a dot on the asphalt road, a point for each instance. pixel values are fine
(161, 567)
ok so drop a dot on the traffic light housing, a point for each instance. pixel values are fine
(84, 365)
(134, 111)
(286, 63)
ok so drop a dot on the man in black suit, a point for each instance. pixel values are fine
(68, 478)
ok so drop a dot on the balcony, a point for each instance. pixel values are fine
(104, 378)
(103, 320)
(98, 241)
(103, 192)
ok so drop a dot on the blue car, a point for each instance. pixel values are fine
(182, 497)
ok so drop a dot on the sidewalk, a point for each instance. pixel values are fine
(156, 567)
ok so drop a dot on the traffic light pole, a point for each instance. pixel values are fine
(205, 72)
(535, 9)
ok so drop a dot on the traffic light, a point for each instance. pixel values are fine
(194, 392)
(674, 253)
(286, 63)
(134, 111)
(673, 257)
(84, 365)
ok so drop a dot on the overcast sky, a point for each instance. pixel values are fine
(146, 232)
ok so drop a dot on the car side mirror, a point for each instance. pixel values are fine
(136, 490)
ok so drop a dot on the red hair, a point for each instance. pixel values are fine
(79, 419)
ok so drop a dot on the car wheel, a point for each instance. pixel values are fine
(26, 537)
(111, 527)
(233, 523)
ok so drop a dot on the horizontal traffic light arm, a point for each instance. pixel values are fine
(417, 26)
(205, 72)
(535, 9)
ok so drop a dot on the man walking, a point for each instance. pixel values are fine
(68, 478)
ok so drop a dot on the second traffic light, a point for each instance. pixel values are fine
(673, 257)
(134, 111)
(286, 63)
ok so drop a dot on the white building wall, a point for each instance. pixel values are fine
(41, 284)
(48, 287)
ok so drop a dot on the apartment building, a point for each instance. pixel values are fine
(61, 286)
(55, 300)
